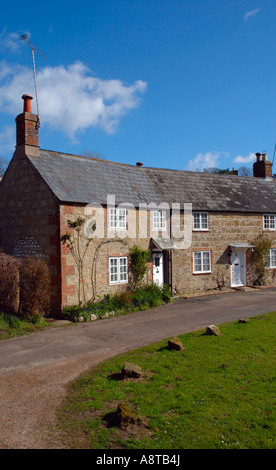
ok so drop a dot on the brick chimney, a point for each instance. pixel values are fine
(27, 125)
(262, 168)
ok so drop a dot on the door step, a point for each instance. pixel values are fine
(243, 288)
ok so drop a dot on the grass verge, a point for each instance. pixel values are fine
(11, 326)
(143, 298)
(217, 393)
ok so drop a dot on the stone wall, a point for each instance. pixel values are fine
(224, 229)
(94, 283)
(28, 218)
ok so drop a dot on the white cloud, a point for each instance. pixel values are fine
(71, 98)
(248, 159)
(204, 160)
(251, 13)
(5, 70)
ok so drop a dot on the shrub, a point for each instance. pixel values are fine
(9, 294)
(138, 264)
(146, 296)
(151, 295)
(166, 294)
(140, 298)
(122, 300)
(34, 287)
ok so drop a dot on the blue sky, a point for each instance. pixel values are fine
(174, 84)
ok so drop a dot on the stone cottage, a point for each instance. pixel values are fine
(83, 215)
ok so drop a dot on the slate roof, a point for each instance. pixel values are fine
(83, 180)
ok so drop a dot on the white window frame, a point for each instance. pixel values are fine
(272, 254)
(117, 218)
(201, 226)
(201, 254)
(116, 274)
(159, 220)
(269, 222)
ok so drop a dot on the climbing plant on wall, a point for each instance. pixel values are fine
(78, 243)
(139, 260)
(260, 258)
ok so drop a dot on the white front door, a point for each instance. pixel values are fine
(238, 267)
(157, 268)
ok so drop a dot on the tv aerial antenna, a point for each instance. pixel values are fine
(274, 154)
(34, 49)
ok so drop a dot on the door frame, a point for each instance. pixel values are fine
(159, 254)
(242, 252)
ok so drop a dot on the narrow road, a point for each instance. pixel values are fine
(35, 369)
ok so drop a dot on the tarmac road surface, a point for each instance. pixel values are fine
(35, 369)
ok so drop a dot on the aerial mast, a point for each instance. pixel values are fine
(34, 49)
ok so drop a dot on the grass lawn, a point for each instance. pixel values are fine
(217, 393)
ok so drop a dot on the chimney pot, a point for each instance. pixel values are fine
(27, 125)
(27, 103)
(262, 168)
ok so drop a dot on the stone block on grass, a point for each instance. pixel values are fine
(131, 371)
(127, 414)
(213, 330)
(176, 344)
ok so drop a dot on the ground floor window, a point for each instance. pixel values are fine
(272, 258)
(202, 261)
(118, 270)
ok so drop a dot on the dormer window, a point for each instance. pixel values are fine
(201, 221)
(269, 222)
(117, 218)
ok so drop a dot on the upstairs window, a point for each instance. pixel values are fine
(118, 270)
(201, 221)
(269, 222)
(159, 220)
(117, 218)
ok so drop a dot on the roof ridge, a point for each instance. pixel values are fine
(84, 157)
(191, 172)
(117, 163)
